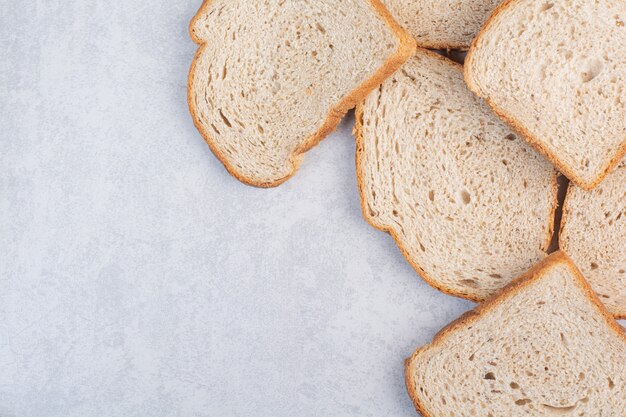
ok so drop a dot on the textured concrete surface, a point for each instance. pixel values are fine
(137, 278)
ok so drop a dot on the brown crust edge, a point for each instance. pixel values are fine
(406, 48)
(520, 128)
(460, 46)
(529, 277)
(358, 133)
(618, 314)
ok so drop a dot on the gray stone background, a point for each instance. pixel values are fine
(137, 278)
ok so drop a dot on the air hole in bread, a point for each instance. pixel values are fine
(594, 266)
(546, 6)
(611, 383)
(465, 197)
(510, 136)
(523, 401)
(594, 68)
(431, 195)
(514, 385)
(558, 410)
(225, 119)
(496, 276)
(469, 283)
(490, 376)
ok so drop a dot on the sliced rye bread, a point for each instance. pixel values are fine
(470, 205)
(556, 71)
(544, 346)
(593, 233)
(273, 78)
(441, 24)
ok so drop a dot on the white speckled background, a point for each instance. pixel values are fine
(137, 278)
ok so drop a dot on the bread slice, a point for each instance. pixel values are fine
(272, 78)
(593, 233)
(556, 71)
(545, 346)
(470, 205)
(438, 24)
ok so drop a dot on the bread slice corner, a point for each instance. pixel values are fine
(437, 24)
(593, 234)
(557, 77)
(545, 345)
(283, 75)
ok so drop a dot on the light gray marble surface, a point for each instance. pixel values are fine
(137, 278)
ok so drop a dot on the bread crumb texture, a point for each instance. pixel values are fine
(470, 204)
(443, 24)
(556, 70)
(544, 347)
(594, 235)
(274, 77)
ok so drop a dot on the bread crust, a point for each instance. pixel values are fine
(520, 128)
(358, 133)
(529, 277)
(619, 315)
(451, 46)
(406, 48)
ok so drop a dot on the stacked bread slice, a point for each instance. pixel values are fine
(593, 233)
(556, 71)
(470, 204)
(545, 346)
(273, 78)
(442, 24)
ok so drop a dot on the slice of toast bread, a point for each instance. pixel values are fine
(273, 78)
(556, 71)
(593, 233)
(470, 205)
(544, 346)
(438, 24)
